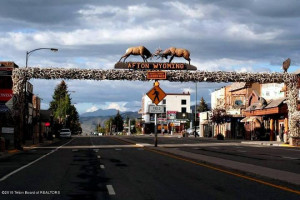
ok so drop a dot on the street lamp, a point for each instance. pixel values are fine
(28, 53)
(25, 123)
(195, 121)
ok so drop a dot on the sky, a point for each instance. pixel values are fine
(221, 35)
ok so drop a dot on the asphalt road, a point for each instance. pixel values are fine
(84, 169)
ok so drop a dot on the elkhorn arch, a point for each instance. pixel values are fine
(20, 75)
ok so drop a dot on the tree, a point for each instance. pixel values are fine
(133, 130)
(118, 122)
(64, 113)
(219, 116)
(202, 106)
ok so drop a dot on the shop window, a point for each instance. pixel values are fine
(6, 82)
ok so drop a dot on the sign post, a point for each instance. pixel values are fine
(155, 130)
(156, 110)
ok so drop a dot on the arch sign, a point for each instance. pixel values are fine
(173, 74)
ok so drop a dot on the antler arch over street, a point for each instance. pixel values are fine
(20, 75)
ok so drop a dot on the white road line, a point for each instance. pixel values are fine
(98, 156)
(23, 167)
(102, 166)
(292, 158)
(110, 189)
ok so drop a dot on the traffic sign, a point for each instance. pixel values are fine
(156, 94)
(156, 109)
(156, 75)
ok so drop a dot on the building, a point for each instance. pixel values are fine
(175, 118)
(254, 111)
(7, 125)
(205, 128)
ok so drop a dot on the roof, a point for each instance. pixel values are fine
(237, 86)
(273, 103)
(178, 93)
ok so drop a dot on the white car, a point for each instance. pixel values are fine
(65, 133)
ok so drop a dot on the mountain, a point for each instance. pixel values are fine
(90, 120)
(100, 112)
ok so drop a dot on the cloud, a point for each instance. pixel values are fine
(117, 105)
(92, 109)
(242, 36)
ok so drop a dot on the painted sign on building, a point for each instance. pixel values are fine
(6, 94)
(171, 115)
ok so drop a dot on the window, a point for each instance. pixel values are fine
(183, 110)
(6, 82)
(183, 101)
(164, 101)
(238, 102)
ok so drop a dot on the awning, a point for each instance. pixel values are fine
(250, 119)
(204, 122)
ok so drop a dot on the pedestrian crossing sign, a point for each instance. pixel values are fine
(156, 94)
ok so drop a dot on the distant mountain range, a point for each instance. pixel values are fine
(90, 120)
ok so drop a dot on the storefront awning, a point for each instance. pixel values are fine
(204, 122)
(250, 119)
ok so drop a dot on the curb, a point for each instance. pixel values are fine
(12, 152)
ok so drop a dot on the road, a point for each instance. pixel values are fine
(108, 168)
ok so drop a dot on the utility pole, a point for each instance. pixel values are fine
(196, 113)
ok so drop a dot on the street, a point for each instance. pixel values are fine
(114, 168)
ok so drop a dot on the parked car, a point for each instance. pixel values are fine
(191, 131)
(65, 133)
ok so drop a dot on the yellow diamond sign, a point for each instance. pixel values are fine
(156, 94)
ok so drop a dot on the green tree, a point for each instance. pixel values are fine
(118, 122)
(133, 130)
(202, 106)
(64, 113)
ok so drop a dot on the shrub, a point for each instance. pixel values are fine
(220, 136)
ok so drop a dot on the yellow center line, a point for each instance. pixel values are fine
(217, 169)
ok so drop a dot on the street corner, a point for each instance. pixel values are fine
(8, 153)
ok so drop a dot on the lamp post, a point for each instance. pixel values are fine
(25, 123)
(28, 53)
(196, 113)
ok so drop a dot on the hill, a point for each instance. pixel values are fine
(90, 120)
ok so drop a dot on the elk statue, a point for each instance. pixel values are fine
(286, 65)
(173, 52)
(140, 50)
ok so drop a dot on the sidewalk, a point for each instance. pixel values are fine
(28, 145)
